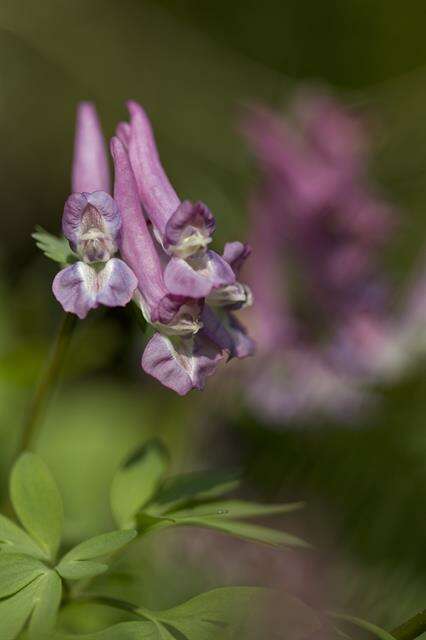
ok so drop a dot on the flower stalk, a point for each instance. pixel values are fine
(47, 382)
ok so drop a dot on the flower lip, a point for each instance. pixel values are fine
(174, 315)
(91, 222)
(80, 287)
(189, 230)
(233, 296)
(236, 253)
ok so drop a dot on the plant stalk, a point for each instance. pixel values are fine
(412, 628)
(47, 382)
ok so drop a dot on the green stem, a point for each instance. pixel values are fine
(412, 628)
(47, 382)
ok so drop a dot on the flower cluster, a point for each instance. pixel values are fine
(186, 291)
(324, 321)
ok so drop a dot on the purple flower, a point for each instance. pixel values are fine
(322, 313)
(180, 355)
(184, 229)
(91, 222)
(90, 170)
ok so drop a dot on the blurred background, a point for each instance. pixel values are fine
(196, 67)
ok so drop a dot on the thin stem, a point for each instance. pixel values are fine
(47, 382)
(412, 628)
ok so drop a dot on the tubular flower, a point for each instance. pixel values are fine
(91, 222)
(184, 229)
(181, 354)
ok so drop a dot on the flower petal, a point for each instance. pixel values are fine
(196, 277)
(235, 254)
(244, 346)
(80, 287)
(157, 195)
(75, 289)
(83, 211)
(116, 284)
(90, 170)
(227, 333)
(189, 229)
(182, 364)
(182, 280)
(136, 244)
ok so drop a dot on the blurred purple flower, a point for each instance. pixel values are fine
(91, 222)
(323, 318)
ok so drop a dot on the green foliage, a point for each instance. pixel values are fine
(188, 500)
(31, 585)
(189, 488)
(46, 605)
(14, 540)
(37, 502)
(373, 629)
(137, 480)
(16, 571)
(14, 611)
(224, 613)
(54, 248)
(78, 563)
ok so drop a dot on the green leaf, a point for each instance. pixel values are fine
(14, 540)
(37, 502)
(79, 569)
(206, 615)
(14, 611)
(101, 545)
(246, 531)
(55, 248)
(221, 522)
(43, 619)
(182, 490)
(234, 611)
(16, 571)
(238, 509)
(76, 564)
(376, 631)
(137, 480)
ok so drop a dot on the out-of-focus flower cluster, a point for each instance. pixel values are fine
(325, 320)
(186, 291)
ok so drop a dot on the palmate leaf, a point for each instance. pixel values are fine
(78, 563)
(46, 606)
(37, 502)
(229, 612)
(15, 611)
(373, 629)
(16, 571)
(57, 249)
(137, 480)
(14, 540)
